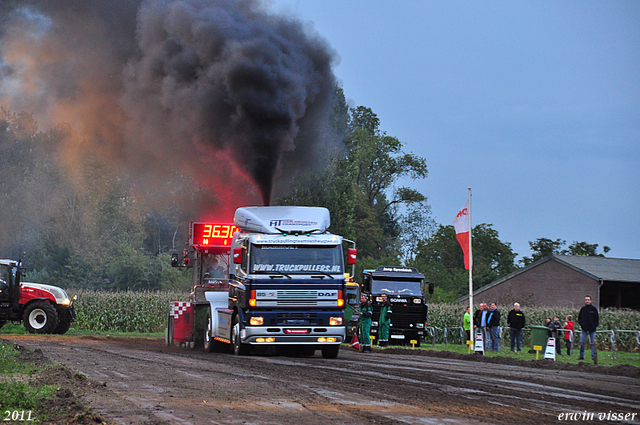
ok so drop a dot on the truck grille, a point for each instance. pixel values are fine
(296, 298)
(403, 316)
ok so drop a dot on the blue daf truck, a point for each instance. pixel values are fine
(285, 286)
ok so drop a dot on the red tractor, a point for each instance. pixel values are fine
(42, 308)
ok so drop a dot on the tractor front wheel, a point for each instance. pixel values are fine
(62, 327)
(40, 317)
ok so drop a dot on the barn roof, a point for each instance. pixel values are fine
(603, 268)
(598, 268)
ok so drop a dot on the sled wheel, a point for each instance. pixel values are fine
(168, 337)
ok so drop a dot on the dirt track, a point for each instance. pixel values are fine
(146, 382)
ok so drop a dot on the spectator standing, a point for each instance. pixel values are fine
(384, 322)
(466, 323)
(568, 336)
(588, 319)
(493, 323)
(366, 311)
(480, 322)
(516, 321)
(557, 327)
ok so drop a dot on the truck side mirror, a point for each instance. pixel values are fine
(431, 288)
(351, 256)
(237, 255)
(174, 259)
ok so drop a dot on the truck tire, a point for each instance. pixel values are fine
(307, 351)
(239, 349)
(168, 337)
(2, 322)
(62, 327)
(40, 317)
(330, 352)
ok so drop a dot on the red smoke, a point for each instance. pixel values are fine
(216, 90)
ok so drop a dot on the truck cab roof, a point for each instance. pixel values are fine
(395, 272)
(282, 219)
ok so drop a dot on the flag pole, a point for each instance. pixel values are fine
(473, 333)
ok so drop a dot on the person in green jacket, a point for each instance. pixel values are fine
(366, 311)
(466, 323)
(384, 322)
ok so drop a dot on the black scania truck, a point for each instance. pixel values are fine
(407, 290)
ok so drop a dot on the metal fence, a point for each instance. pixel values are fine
(457, 335)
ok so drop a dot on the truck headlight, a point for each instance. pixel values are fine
(256, 321)
(417, 300)
(374, 323)
(420, 325)
(335, 321)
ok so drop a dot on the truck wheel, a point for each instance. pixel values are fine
(40, 318)
(210, 344)
(168, 338)
(208, 341)
(307, 351)
(2, 322)
(330, 352)
(62, 327)
(239, 349)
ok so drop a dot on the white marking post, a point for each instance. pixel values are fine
(479, 347)
(550, 351)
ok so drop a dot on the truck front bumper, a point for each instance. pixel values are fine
(303, 335)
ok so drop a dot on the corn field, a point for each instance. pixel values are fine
(124, 311)
(147, 311)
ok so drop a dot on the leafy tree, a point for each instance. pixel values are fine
(374, 163)
(80, 225)
(441, 259)
(379, 161)
(416, 224)
(586, 249)
(358, 186)
(544, 247)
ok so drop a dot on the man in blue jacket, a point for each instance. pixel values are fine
(589, 320)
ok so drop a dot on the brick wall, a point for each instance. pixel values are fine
(549, 284)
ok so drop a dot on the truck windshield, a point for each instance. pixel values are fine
(396, 287)
(301, 259)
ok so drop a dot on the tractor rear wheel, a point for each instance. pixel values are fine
(40, 317)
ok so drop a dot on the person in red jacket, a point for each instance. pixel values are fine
(568, 336)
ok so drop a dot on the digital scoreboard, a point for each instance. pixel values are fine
(214, 235)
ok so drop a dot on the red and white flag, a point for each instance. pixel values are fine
(461, 224)
(355, 344)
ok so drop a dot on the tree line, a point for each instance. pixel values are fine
(82, 224)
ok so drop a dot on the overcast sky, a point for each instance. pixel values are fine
(534, 105)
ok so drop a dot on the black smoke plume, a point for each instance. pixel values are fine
(219, 89)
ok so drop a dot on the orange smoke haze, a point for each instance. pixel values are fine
(212, 90)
